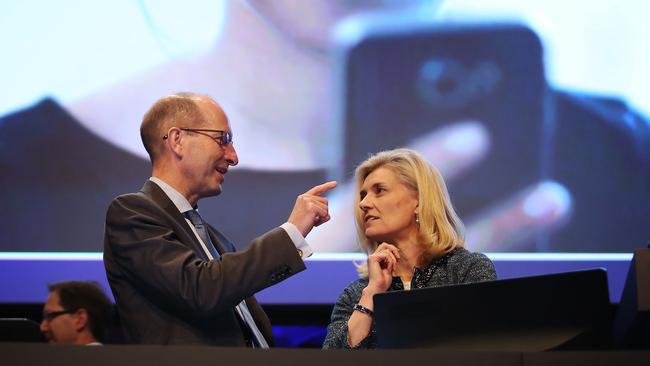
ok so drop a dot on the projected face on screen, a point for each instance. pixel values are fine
(69, 136)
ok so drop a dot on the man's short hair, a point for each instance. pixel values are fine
(180, 110)
(86, 295)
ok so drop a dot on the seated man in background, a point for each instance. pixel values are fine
(76, 312)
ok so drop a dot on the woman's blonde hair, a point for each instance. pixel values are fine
(440, 228)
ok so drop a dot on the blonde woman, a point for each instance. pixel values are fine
(408, 227)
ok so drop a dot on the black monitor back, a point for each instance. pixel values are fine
(632, 321)
(20, 330)
(558, 311)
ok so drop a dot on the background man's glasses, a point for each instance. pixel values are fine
(49, 316)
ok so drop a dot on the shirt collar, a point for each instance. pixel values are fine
(181, 203)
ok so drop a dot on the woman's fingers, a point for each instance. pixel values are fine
(389, 247)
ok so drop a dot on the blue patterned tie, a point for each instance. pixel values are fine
(197, 221)
(241, 309)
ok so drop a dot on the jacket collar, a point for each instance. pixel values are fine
(159, 196)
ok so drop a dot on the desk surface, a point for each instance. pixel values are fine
(43, 354)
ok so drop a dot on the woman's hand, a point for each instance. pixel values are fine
(380, 268)
(380, 275)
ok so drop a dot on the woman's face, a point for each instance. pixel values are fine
(388, 207)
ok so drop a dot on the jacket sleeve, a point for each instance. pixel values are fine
(337, 330)
(480, 269)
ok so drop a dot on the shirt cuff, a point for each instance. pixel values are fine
(304, 250)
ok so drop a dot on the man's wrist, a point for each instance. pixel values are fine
(302, 247)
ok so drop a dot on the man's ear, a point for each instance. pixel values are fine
(81, 319)
(174, 141)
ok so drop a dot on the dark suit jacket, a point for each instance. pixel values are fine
(167, 292)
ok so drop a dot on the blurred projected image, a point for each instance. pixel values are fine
(535, 113)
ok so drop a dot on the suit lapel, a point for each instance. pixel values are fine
(152, 190)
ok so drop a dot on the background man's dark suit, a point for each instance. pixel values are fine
(58, 174)
(167, 292)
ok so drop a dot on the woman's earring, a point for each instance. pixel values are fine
(417, 219)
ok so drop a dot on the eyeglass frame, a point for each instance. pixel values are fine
(224, 139)
(49, 316)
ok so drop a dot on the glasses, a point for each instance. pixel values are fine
(223, 140)
(49, 316)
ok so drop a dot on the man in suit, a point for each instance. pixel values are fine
(177, 280)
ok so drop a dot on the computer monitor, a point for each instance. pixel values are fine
(558, 311)
(632, 321)
(20, 330)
